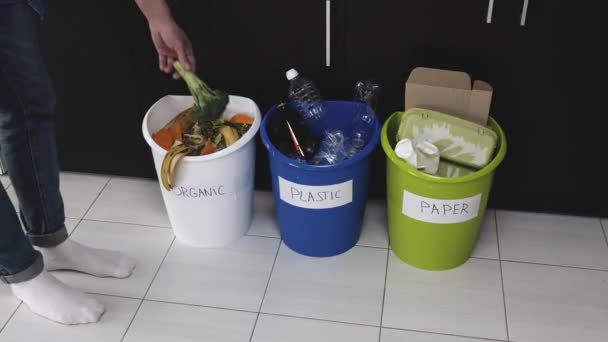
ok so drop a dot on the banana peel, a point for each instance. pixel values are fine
(169, 166)
(184, 119)
(230, 135)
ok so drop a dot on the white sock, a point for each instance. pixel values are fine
(52, 299)
(70, 255)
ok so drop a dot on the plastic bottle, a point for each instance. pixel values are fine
(364, 119)
(289, 135)
(307, 100)
(332, 148)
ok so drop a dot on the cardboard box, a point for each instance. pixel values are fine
(449, 92)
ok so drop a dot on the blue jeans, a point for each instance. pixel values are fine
(27, 140)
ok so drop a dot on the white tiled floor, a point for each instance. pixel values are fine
(552, 239)
(532, 278)
(27, 326)
(78, 191)
(129, 200)
(147, 245)
(345, 288)
(272, 328)
(162, 322)
(234, 277)
(466, 301)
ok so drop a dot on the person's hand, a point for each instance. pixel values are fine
(171, 44)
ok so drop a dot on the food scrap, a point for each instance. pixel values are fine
(199, 130)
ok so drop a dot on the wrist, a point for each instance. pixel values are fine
(156, 11)
(160, 19)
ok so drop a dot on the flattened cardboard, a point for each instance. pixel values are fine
(449, 92)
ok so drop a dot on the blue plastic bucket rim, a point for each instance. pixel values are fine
(275, 153)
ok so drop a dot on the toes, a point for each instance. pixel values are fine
(88, 316)
(91, 312)
(97, 308)
(100, 309)
(125, 268)
(130, 263)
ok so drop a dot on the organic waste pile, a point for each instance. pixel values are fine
(199, 130)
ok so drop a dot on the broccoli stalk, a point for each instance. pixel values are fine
(209, 104)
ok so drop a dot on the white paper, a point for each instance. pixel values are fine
(440, 211)
(316, 196)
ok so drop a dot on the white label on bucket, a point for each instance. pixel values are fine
(316, 196)
(440, 211)
(207, 192)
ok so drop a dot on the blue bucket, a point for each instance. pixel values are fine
(320, 209)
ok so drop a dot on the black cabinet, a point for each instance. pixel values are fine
(244, 47)
(87, 52)
(385, 40)
(105, 70)
(546, 111)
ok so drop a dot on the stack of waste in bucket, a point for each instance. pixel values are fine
(442, 144)
(445, 144)
(319, 154)
(302, 132)
(444, 130)
(440, 167)
(198, 130)
(203, 147)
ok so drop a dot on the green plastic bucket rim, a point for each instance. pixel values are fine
(404, 166)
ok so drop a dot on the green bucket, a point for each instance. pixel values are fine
(433, 221)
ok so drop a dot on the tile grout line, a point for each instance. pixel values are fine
(604, 230)
(553, 265)
(297, 317)
(89, 208)
(170, 302)
(197, 305)
(388, 252)
(11, 317)
(484, 258)
(320, 320)
(148, 289)
(75, 227)
(96, 198)
(132, 224)
(278, 238)
(502, 280)
(276, 256)
(239, 310)
(445, 334)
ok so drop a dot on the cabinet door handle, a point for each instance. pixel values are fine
(524, 13)
(327, 33)
(490, 12)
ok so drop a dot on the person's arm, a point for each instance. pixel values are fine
(170, 41)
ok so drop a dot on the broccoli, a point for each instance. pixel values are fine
(209, 104)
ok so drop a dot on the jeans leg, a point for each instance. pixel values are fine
(18, 259)
(27, 132)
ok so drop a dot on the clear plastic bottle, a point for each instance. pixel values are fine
(364, 119)
(307, 100)
(332, 148)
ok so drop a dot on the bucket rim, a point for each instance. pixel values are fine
(244, 140)
(275, 153)
(404, 166)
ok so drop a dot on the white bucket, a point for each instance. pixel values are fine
(212, 202)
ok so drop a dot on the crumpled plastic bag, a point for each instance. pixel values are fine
(419, 154)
